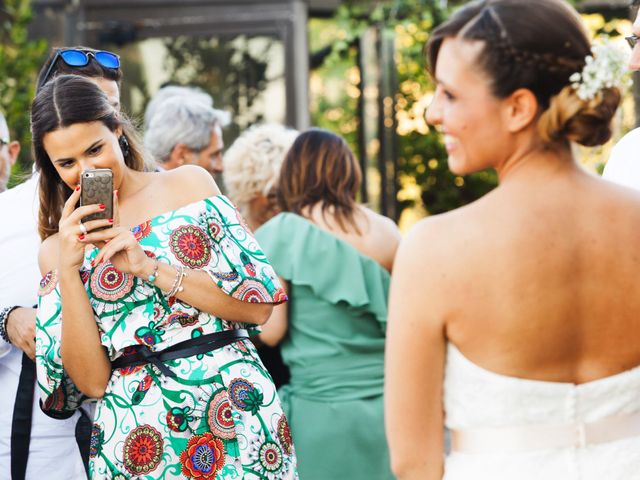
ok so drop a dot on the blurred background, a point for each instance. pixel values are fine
(353, 67)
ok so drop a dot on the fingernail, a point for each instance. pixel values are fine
(80, 237)
(93, 263)
(102, 206)
(77, 188)
(111, 220)
(116, 193)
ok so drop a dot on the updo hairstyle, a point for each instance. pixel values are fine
(535, 45)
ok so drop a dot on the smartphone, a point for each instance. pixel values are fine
(96, 186)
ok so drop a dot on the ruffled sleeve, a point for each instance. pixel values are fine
(236, 264)
(59, 396)
(305, 255)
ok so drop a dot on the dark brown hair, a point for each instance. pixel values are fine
(535, 45)
(92, 69)
(61, 102)
(321, 168)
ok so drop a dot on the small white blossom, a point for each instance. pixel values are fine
(606, 67)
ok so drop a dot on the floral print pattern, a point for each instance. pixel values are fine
(219, 417)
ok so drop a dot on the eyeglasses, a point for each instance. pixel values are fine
(632, 40)
(80, 58)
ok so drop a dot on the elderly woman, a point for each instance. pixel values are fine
(184, 130)
(252, 167)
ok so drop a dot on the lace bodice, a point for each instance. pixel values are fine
(475, 398)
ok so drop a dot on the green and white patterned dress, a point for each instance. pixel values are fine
(219, 417)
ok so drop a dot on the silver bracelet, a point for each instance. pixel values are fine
(4, 316)
(177, 283)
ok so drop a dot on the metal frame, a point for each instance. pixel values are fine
(75, 22)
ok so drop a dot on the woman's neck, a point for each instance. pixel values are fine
(536, 161)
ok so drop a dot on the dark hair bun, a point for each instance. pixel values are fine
(587, 122)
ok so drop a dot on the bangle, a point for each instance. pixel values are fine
(4, 316)
(177, 283)
(154, 275)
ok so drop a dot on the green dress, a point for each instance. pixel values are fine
(334, 348)
(219, 417)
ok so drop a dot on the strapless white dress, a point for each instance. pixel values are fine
(510, 428)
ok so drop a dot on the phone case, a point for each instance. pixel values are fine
(97, 187)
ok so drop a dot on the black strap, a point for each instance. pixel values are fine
(188, 348)
(21, 424)
(83, 437)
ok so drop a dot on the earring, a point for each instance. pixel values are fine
(124, 145)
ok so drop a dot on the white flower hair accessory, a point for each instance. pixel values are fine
(606, 67)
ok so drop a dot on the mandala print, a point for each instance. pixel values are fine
(216, 230)
(95, 444)
(190, 245)
(142, 450)
(280, 296)
(85, 275)
(178, 418)
(183, 318)
(268, 459)
(109, 284)
(48, 283)
(226, 276)
(244, 395)
(141, 231)
(284, 435)
(203, 457)
(220, 416)
(252, 291)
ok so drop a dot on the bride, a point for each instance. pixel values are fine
(515, 321)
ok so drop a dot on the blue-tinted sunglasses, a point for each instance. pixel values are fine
(80, 58)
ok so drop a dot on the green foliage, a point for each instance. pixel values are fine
(421, 155)
(234, 72)
(20, 60)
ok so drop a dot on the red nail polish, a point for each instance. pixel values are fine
(102, 206)
(111, 220)
(77, 187)
(80, 237)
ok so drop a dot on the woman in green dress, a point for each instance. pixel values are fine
(151, 316)
(333, 257)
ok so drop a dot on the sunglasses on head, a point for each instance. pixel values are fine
(632, 40)
(80, 58)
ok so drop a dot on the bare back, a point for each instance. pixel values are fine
(542, 280)
(379, 237)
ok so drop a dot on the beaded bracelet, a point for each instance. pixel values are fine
(4, 316)
(154, 276)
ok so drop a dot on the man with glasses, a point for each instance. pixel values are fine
(9, 152)
(33, 446)
(623, 166)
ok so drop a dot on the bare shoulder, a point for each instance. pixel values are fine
(191, 183)
(385, 237)
(382, 224)
(48, 254)
(433, 247)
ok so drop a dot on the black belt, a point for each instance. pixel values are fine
(21, 424)
(188, 348)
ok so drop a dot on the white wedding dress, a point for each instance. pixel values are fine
(505, 427)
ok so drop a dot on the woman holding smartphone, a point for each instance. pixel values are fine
(132, 314)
